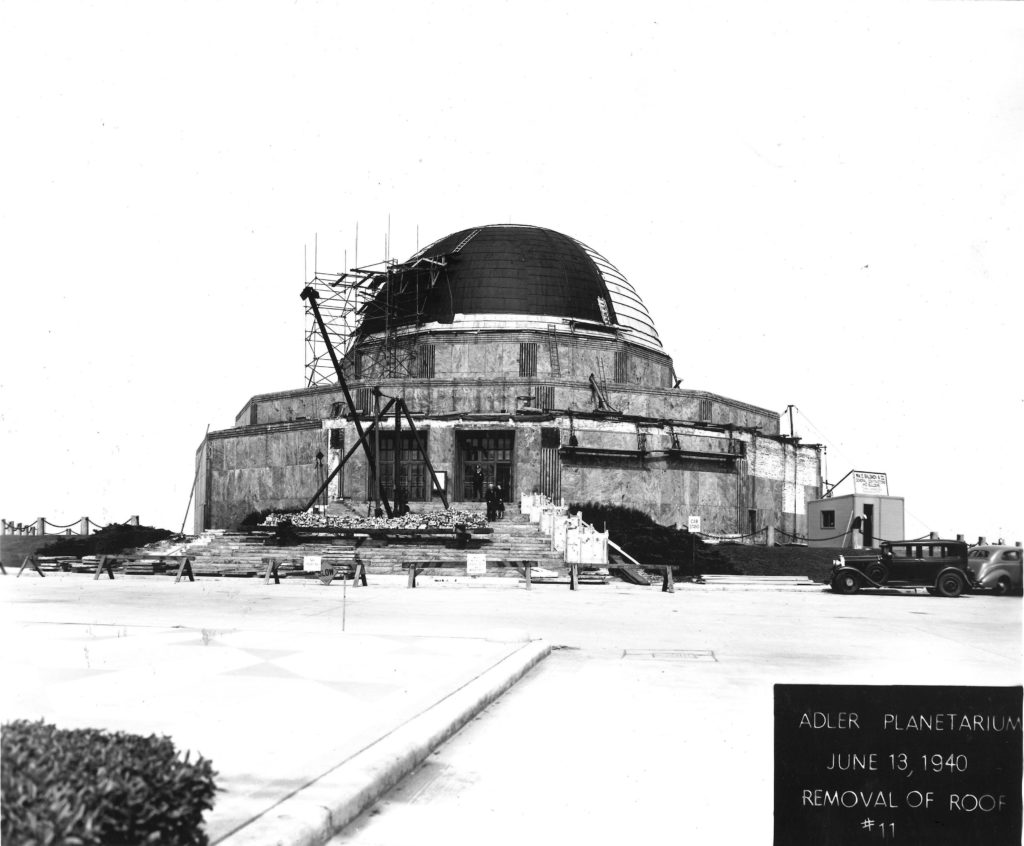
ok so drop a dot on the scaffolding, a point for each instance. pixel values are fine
(341, 295)
(381, 299)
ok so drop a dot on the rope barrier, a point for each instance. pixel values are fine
(755, 533)
(96, 524)
(803, 538)
(844, 534)
(56, 526)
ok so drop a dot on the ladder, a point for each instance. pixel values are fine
(556, 369)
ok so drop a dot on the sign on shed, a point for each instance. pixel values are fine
(311, 563)
(874, 484)
(476, 564)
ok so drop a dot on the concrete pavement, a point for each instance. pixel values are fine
(655, 719)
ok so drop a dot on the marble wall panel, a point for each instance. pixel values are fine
(527, 459)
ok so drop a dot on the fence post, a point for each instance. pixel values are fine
(771, 536)
(83, 526)
(133, 520)
(41, 526)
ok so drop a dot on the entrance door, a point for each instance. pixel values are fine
(869, 526)
(491, 452)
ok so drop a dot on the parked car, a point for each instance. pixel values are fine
(939, 565)
(996, 568)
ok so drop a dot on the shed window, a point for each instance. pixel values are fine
(828, 519)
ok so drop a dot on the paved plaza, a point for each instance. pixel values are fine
(651, 720)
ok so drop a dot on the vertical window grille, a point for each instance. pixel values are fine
(425, 361)
(528, 359)
(546, 397)
(621, 366)
(704, 411)
(364, 400)
(337, 438)
(358, 365)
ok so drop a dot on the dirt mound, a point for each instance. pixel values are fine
(743, 560)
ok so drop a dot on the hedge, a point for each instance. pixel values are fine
(109, 540)
(87, 787)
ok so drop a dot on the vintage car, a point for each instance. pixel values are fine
(996, 568)
(938, 565)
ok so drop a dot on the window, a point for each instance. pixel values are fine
(704, 411)
(337, 438)
(414, 478)
(364, 400)
(621, 366)
(425, 361)
(545, 397)
(528, 359)
(828, 519)
(1011, 555)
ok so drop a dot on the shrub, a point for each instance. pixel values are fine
(647, 541)
(109, 540)
(87, 787)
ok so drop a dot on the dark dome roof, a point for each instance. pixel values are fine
(502, 269)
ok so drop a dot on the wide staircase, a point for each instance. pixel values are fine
(512, 543)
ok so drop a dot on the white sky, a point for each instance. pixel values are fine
(821, 204)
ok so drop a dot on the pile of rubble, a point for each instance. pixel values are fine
(434, 520)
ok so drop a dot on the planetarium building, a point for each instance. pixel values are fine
(524, 354)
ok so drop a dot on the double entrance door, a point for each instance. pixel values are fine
(485, 459)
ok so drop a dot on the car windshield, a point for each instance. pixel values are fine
(978, 553)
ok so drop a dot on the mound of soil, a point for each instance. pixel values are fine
(117, 537)
(743, 560)
(689, 556)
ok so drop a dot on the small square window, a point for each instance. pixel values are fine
(828, 519)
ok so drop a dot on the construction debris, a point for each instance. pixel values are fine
(434, 520)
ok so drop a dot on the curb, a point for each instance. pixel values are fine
(320, 810)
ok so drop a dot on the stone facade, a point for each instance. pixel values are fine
(670, 452)
(522, 353)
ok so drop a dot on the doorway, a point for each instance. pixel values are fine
(491, 452)
(868, 530)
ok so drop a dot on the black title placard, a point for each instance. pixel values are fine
(901, 764)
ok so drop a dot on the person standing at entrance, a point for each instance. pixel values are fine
(499, 503)
(478, 483)
(492, 503)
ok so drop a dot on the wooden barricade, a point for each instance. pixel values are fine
(30, 559)
(104, 564)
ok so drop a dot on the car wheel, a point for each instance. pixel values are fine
(950, 584)
(846, 583)
(878, 573)
(1003, 586)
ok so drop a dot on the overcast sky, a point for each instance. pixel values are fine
(821, 205)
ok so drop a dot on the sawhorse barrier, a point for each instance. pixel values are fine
(104, 564)
(331, 567)
(668, 584)
(415, 569)
(29, 559)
